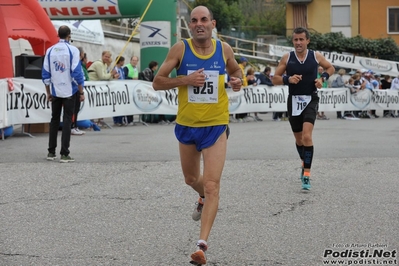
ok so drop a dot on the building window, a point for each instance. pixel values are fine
(393, 20)
(300, 12)
(340, 16)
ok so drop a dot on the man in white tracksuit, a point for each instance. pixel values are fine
(63, 77)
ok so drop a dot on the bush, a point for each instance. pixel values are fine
(384, 48)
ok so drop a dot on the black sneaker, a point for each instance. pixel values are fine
(66, 159)
(51, 156)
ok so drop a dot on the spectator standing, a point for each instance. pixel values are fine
(202, 119)
(320, 70)
(395, 83)
(377, 86)
(98, 70)
(359, 81)
(339, 83)
(74, 127)
(265, 78)
(359, 85)
(371, 84)
(243, 63)
(351, 86)
(84, 66)
(377, 78)
(148, 75)
(228, 86)
(352, 89)
(118, 120)
(395, 86)
(253, 80)
(131, 72)
(62, 75)
(149, 72)
(119, 67)
(131, 69)
(386, 83)
(300, 66)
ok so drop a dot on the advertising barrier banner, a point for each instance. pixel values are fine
(24, 101)
(351, 61)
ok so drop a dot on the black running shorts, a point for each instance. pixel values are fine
(308, 114)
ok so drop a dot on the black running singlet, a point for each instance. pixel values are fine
(306, 68)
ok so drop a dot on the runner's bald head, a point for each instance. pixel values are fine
(203, 8)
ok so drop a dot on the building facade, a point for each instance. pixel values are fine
(369, 18)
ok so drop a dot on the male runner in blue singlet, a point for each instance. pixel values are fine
(203, 114)
(301, 66)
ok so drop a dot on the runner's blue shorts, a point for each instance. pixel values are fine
(201, 137)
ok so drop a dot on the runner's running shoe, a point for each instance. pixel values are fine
(198, 209)
(306, 182)
(198, 257)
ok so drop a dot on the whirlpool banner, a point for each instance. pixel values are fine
(24, 101)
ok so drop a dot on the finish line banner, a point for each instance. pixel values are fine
(24, 101)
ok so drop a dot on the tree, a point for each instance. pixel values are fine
(337, 42)
(264, 17)
(225, 12)
(254, 17)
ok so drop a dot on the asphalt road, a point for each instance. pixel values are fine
(124, 201)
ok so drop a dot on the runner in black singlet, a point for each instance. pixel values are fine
(298, 70)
